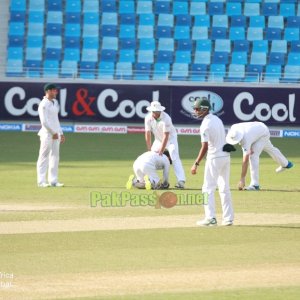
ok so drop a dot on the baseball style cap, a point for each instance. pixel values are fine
(234, 135)
(155, 106)
(50, 86)
(202, 103)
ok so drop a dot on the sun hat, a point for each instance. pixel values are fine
(155, 106)
(234, 135)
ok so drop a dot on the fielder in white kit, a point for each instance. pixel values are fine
(217, 165)
(254, 137)
(51, 136)
(145, 169)
(160, 124)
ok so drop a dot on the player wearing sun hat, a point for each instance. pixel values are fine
(165, 137)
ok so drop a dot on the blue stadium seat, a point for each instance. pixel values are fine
(291, 34)
(166, 44)
(15, 53)
(87, 70)
(33, 54)
(72, 42)
(220, 58)
(223, 45)
(217, 73)
(179, 71)
(237, 33)
(144, 7)
(253, 73)
(90, 6)
(124, 70)
(73, 17)
(257, 21)
(254, 34)
(272, 74)
(73, 6)
(53, 54)
(90, 18)
(51, 68)
(163, 31)
(109, 30)
(34, 41)
(199, 33)
(218, 33)
(294, 59)
(220, 21)
(279, 46)
(146, 19)
(239, 58)
(16, 28)
(183, 20)
(108, 6)
(236, 73)
(238, 21)
(53, 41)
(270, 9)
(106, 70)
(241, 45)
(145, 56)
(215, 8)
(90, 30)
(197, 8)
(53, 29)
(54, 17)
(17, 16)
(183, 57)
(295, 46)
(204, 45)
(165, 20)
(147, 44)
(126, 7)
(273, 34)
(108, 55)
(164, 56)
(109, 18)
(293, 21)
(145, 32)
(260, 46)
(129, 19)
(89, 55)
(180, 8)
(68, 69)
(37, 5)
(14, 68)
(276, 58)
(161, 71)
(202, 21)
(287, 9)
(109, 42)
(162, 7)
(72, 30)
(71, 54)
(233, 9)
(142, 71)
(198, 72)
(55, 5)
(202, 57)
(291, 74)
(18, 5)
(276, 22)
(33, 68)
(258, 58)
(127, 55)
(251, 9)
(36, 17)
(184, 45)
(15, 41)
(181, 32)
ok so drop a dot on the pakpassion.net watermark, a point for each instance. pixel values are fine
(155, 199)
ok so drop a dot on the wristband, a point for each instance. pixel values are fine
(196, 164)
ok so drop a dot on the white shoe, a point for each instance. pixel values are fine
(57, 184)
(207, 222)
(252, 188)
(227, 223)
(282, 169)
(43, 185)
(180, 184)
(129, 182)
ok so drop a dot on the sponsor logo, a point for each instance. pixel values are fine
(188, 130)
(246, 109)
(10, 127)
(31, 127)
(100, 129)
(215, 100)
(291, 133)
(275, 133)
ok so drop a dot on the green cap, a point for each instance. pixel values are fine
(50, 86)
(202, 103)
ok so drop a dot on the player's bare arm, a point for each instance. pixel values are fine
(148, 139)
(202, 153)
(245, 164)
(164, 143)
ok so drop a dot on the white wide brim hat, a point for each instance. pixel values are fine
(234, 136)
(155, 106)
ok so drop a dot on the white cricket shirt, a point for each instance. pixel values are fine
(48, 113)
(212, 131)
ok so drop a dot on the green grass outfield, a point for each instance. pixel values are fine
(54, 245)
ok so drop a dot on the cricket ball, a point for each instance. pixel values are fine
(168, 199)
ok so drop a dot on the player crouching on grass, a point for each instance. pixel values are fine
(217, 165)
(145, 167)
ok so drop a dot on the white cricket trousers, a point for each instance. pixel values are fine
(173, 149)
(140, 170)
(264, 144)
(217, 173)
(48, 160)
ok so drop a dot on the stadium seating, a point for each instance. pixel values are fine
(199, 40)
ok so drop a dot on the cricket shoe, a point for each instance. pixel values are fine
(148, 184)
(282, 169)
(180, 184)
(252, 188)
(227, 223)
(129, 182)
(43, 185)
(162, 186)
(207, 222)
(57, 184)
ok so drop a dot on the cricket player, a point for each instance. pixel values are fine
(145, 169)
(254, 137)
(160, 124)
(51, 136)
(217, 165)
